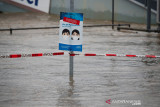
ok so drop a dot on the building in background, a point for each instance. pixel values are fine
(125, 10)
(26, 5)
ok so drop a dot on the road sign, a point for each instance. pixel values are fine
(71, 31)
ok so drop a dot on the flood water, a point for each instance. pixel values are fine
(44, 81)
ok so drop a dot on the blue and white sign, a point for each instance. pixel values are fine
(41, 5)
(71, 31)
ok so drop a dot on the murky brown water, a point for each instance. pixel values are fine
(44, 81)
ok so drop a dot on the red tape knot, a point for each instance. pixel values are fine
(88, 54)
(37, 54)
(15, 56)
(58, 53)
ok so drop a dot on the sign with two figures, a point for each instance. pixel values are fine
(71, 31)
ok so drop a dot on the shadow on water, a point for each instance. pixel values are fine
(153, 45)
(111, 77)
(68, 97)
(158, 36)
(151, 61)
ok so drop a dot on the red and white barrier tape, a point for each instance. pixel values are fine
(86, 54)
(32, 55)
(116, 55)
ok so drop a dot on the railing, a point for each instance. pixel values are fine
(143, 3)
(36, 28)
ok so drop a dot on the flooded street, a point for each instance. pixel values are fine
(44, 81)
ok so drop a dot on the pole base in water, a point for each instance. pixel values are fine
(71, 65)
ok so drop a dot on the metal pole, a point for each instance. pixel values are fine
(71, 52)
(148, 15)
(112, 14)
(72, 5)
(158, 28)
(50, 6)
(158, 15)
(10, 31)
(71, 65)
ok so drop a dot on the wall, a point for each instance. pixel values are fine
(4, 7)
(125, 10)
(58, 6)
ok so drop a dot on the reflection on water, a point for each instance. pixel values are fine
(151, 61)
(69, 98)
(158, 36)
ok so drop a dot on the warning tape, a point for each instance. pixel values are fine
(74, 54)
(116, 55)
(32, 55)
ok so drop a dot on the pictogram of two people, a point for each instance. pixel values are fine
(75, 35)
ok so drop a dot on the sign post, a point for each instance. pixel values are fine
(71, 64)
(71, 58)
(158, 14)
(71, 34)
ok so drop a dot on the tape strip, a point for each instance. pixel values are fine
(73, 54)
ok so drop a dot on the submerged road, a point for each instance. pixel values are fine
(44, 81)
